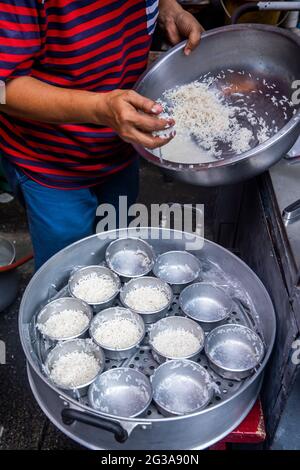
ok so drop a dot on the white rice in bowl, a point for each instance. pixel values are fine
(117, 333)
(64, 324)
(147, 299)
(176, 343)
(94, 288)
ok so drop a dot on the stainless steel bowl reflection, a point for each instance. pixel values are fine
(121, 392)
(234, 351)
(64, 303)
(155, 283)
(181, 387)
(116, 313)
(175, 323)
(177, 268)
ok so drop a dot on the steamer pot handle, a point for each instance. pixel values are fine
(69, 415)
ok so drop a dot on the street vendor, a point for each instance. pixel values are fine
(70, 115)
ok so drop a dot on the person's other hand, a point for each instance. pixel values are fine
(179, 24)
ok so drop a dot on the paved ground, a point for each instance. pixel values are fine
(22, 423)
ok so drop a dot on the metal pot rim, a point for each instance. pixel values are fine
(287, 128)
(75, 403)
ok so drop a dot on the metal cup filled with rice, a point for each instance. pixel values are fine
(73, 365)
(96, 285)
(118, 331)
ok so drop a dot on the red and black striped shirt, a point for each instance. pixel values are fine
(95, 45)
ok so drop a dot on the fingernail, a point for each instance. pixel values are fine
(170, 124)
(187, 51)
(156, 109)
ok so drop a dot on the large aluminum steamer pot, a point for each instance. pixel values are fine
(265, 51)
(96, 431)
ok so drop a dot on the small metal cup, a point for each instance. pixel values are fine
(148, 281)
(101, 271)
(66, 347)
(176, 323)
(130, 257)
(208, 305)
(181, 387)
(177, 268)
(121, 392)
(234, 351)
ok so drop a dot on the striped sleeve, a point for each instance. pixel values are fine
(20, 37)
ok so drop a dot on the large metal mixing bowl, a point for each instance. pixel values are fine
(264, 51)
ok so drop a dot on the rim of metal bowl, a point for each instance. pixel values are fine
(133, 276)
(186, 167)
(127, 369)
(167, 287)
(13, 250)
(79, 387)
(240, 327)
(172, 252)
(114, 349)
(178, 358)
(209, 322)
(191, 363)
(68, 338)
(96, 266)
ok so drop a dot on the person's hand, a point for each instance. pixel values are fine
(133, 117)
(179, 24)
